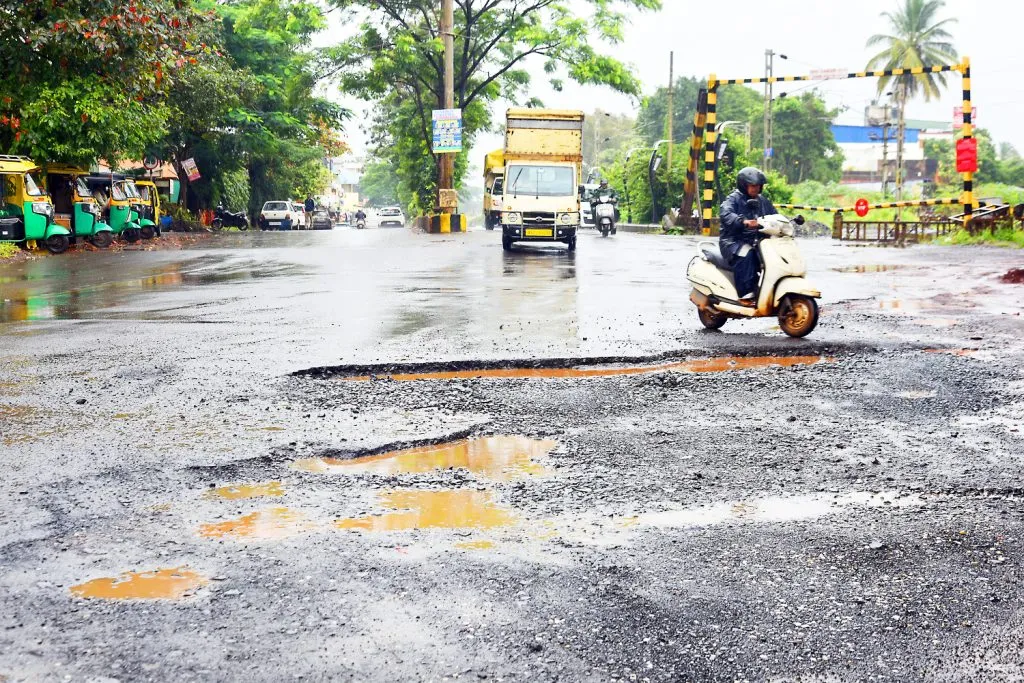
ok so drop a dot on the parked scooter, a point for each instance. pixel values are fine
(223, 217)
(603, 207)
(783, 290)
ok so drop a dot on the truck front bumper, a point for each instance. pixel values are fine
(522, 233)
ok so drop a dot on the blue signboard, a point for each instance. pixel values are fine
(447, 130)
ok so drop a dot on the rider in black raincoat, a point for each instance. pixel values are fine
(737, 235)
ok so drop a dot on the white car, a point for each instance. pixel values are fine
(274, 213)
(390, 216)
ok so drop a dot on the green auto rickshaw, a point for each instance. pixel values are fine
(141, 209)
(74, 206)
(115, 204)
(26, 212)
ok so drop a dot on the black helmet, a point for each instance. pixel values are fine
(750, 176)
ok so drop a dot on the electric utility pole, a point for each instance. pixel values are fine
(671, 91)
(446, 171)
(769, 69)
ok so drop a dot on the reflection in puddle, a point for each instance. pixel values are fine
(163, 584)
(495, 457)
(724, 364)
(242, 491)
(775, 509)
(921, 393)
(475, 545)
(278, 522)
(425, 509)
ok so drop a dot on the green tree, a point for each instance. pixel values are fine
(805, 148)
(82, 79)
(735, 103)
(396, 59)
(917, 39)
(603, 131)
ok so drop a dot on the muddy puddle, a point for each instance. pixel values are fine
(723, 364)
(499, 458)
(777, 509)
(1014, 276)
(162, 584)
(270, 489)
(270, 524)
(434, 509)
(873, 268)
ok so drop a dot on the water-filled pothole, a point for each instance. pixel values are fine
(495, 457)
(872, 268)
(723, 364)
(272, 523)
(269, 489)
(162, 584)
(429, 509)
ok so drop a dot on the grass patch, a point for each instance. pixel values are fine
(1001, 237)
(8, 250)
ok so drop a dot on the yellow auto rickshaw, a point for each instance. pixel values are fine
(140, 209)
(151, 207)
(74, 206)
(115, 204)
(26, 212)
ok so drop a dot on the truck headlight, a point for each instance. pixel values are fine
(512, 218)
(42, 208)
(568, 218)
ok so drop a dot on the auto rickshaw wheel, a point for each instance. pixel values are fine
(148, 232)
(102, 239)
(131, 235)
(57, 244)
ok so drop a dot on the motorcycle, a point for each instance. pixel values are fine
(223, 217)
(783, 291)
(603, 207)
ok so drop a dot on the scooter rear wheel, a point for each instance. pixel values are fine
(798, 315)
(710, 319)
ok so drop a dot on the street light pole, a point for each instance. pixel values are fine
(650, 179)
(446, 170)
(769, 74)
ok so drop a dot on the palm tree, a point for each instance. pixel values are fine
(917, 40)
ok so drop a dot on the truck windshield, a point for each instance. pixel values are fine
(542, 181)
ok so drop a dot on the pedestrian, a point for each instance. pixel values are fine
(309, 207)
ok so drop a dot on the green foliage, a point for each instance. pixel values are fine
(379, 184)
(1007, 169)
(234, 189)
(1005, 236)
(917, 39)
(735, 103)
(8, 250)
(80, 80)
(805, 148)
(396, 59)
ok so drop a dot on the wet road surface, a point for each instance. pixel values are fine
(545, 471)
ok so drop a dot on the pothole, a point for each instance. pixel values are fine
(430, 509)
(873, 268)
(499, 458)
(161, 584)
(722, 364)
(270, 524)
(270, 489)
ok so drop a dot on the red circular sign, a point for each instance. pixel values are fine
(861, 207)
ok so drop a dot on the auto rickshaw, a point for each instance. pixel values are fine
(115, 204)
(74, 206)
(26, 213)
(151, 204)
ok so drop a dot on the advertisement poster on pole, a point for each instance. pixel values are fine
(189, 166)
(447, 130)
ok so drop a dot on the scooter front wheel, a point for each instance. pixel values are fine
(798, 315)
(711, 319)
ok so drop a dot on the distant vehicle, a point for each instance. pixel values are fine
(298, 216)
(390, 215)
(274, 214)
(586, 210)
(494, 176)
(322, 220)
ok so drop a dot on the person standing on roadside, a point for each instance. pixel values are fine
(309, 207)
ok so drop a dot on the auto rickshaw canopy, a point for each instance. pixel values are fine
(10, 164)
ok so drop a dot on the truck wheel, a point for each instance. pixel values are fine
(57, 244)
(103, 239)
(798, 315)
(506, 243)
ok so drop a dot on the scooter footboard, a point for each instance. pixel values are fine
(795, 285)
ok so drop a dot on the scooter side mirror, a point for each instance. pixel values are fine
(799, 220)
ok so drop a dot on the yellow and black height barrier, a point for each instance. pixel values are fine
(708, 199)
(699, 120)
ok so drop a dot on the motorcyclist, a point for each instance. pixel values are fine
(360, 216)
(604, 189)
(738, 235)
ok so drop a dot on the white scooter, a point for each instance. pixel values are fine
(604, 214)
(783, 290)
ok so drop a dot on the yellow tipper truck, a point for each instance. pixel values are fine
(540, 199)
(494, 174)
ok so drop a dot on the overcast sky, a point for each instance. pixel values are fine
(814, 34)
